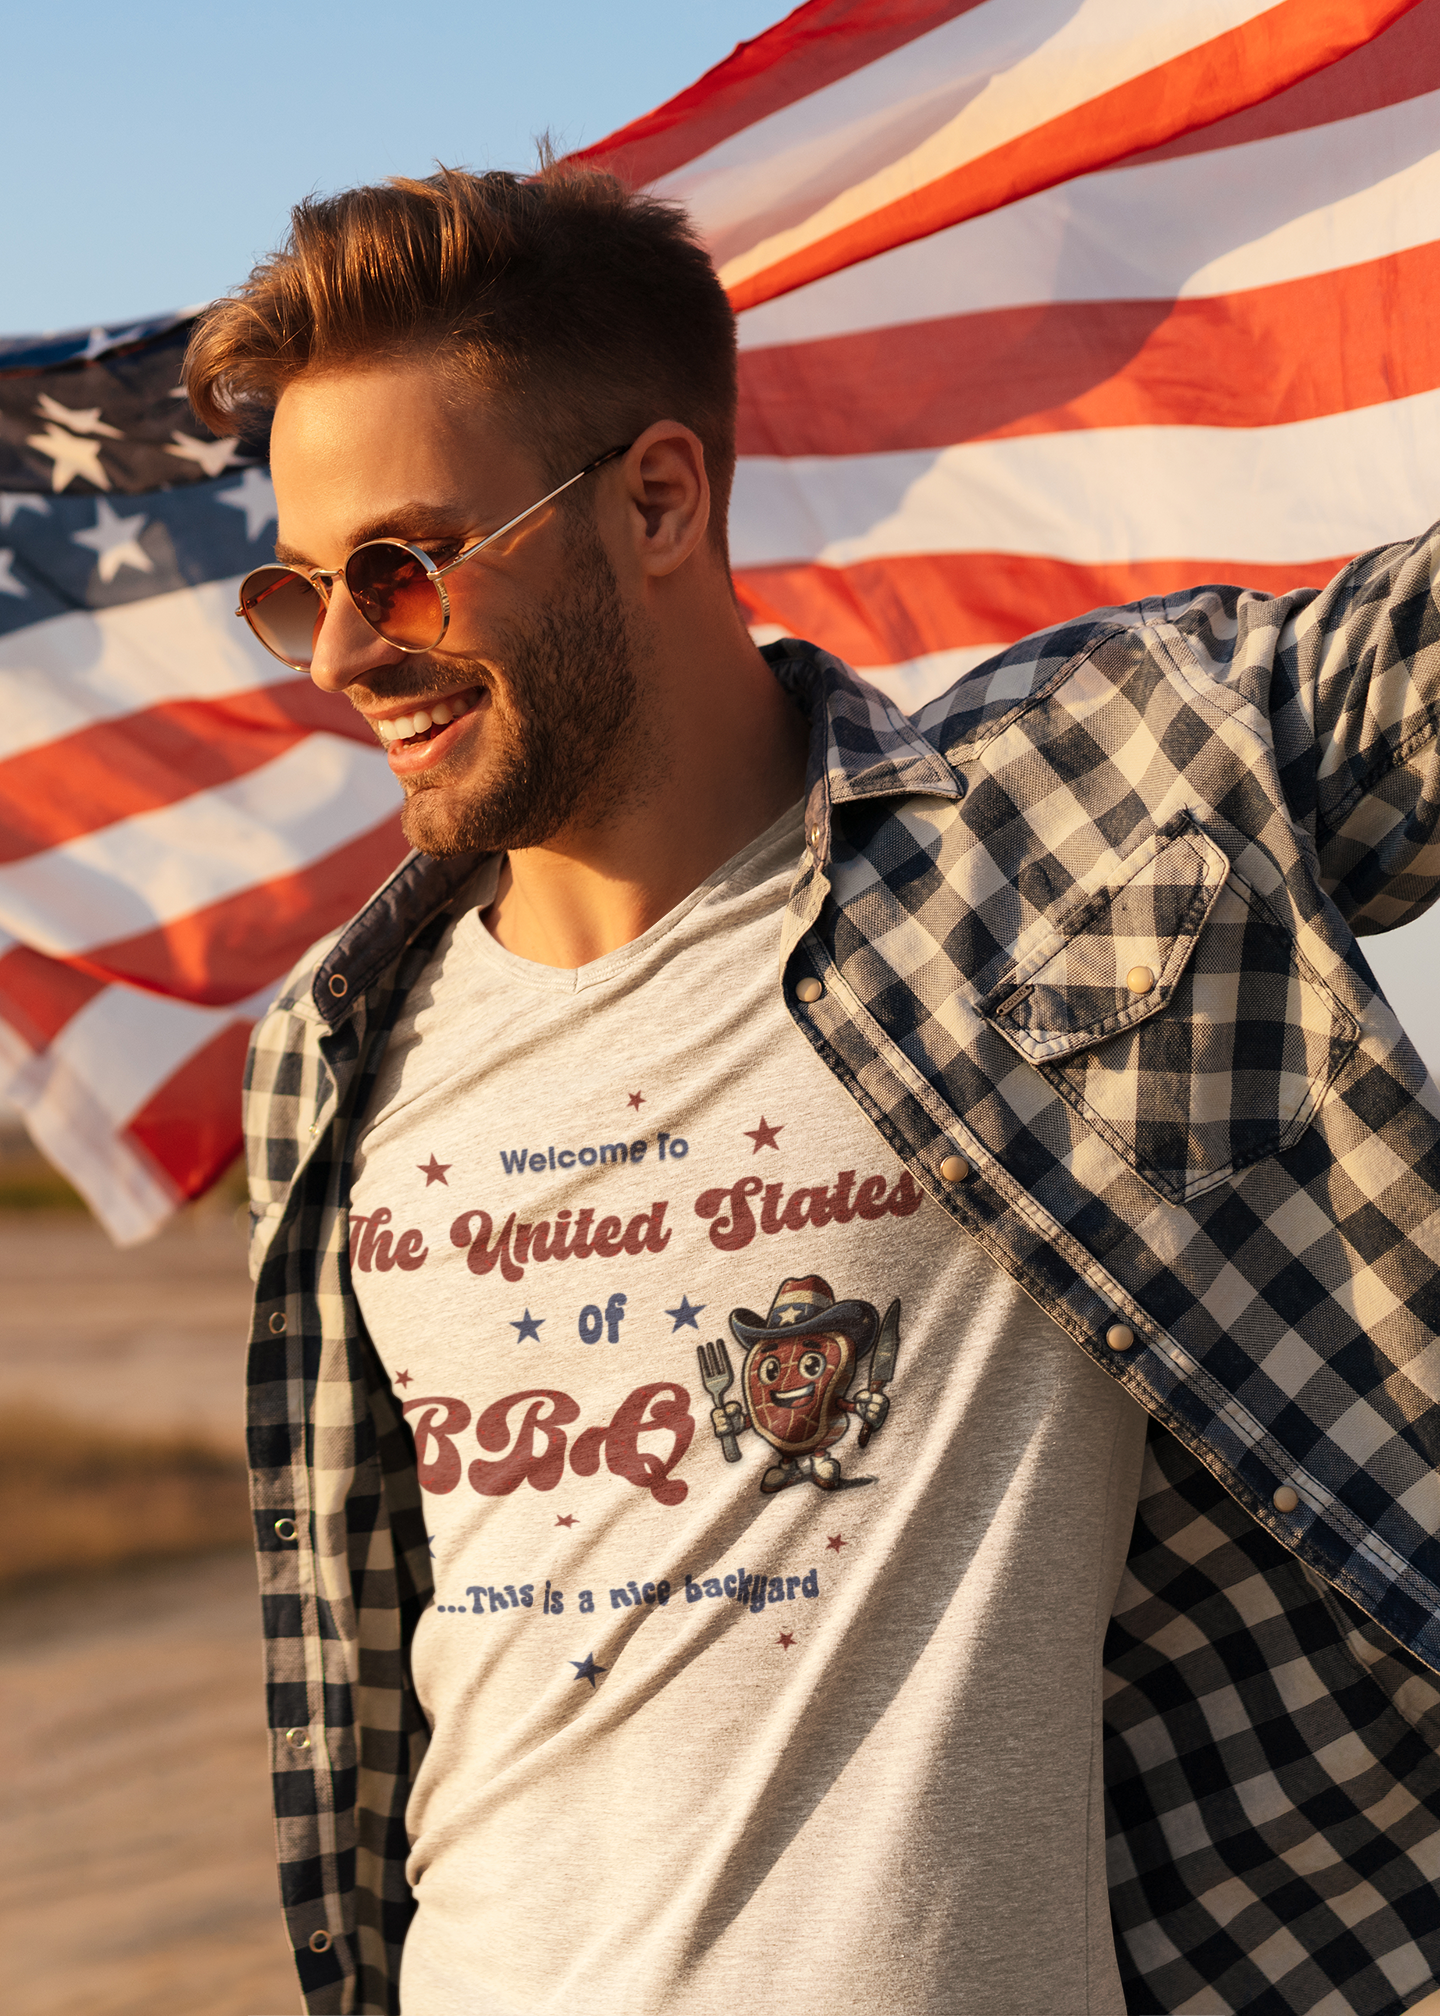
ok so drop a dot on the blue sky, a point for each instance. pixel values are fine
(152, 152)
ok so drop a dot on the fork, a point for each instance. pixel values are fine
(718, 1376)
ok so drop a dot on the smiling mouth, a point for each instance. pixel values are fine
(794, 1394)
(427, 721)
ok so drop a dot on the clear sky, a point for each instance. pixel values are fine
(152, 152)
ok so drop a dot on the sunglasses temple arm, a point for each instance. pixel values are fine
(529, 511)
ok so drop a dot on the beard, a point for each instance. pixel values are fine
(563, 734)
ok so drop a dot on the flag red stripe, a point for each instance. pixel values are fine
(39, 995)
(882, 612)
(1402, 62)
(156, 756)
(1247, 63)
(189, 1129)
(811, 48)
(1294, 351)
(223, 953)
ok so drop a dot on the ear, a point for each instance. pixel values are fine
(668, 494)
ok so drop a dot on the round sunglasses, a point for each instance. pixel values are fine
(398, 589)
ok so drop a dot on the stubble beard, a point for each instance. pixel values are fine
(563, 731)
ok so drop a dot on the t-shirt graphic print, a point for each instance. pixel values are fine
(775, 1531)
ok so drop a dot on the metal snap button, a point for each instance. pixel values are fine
(1285, 1500)
(339, 986)
(298, 1739)
(808, 990)
(1120, 1337)
(285, 1529)
(955, 1169)
(1139, 979)
(815, 838)
(277, 1323)
(319, 1942)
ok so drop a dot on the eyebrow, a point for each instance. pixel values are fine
(416, 524)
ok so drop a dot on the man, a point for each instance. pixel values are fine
(727, 1208)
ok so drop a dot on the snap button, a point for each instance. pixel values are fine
(339, 986)
(285, 1529)
(815, 838)
(277, 1323)
(1120, 1337)
(298, 1739)
(319, 1942)
(808, 990)
(955, 1169)
(1139, 979)
(1285, 1500)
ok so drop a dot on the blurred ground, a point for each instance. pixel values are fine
(136, 1862)
(136, 1868)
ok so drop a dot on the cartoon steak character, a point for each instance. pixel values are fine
(799, 1362)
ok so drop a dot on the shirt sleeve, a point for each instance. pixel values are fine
(1354, 702)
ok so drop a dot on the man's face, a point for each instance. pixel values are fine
(540, 667)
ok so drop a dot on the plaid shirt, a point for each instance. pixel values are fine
(1086, 937)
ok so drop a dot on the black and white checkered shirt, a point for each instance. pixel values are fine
(1086, 931)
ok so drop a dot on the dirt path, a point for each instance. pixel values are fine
(136, 1865)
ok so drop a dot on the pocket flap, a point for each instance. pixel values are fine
(1115, 958)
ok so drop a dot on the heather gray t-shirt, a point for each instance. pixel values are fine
(727, 1708)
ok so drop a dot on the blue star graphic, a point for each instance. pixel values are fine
(528, 1326)
(586, 1669)
(686, 1313)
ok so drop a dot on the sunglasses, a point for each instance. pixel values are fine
(398, 590)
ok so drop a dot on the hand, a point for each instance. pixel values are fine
(872, 1409)
(729, 1419)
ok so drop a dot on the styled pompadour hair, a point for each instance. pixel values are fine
(586, 310)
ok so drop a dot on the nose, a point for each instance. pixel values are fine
(346, 648)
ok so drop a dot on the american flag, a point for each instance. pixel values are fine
(1041, 307)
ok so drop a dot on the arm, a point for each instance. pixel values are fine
(1350, 678)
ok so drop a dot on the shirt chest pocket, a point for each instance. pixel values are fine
(1174, 1012)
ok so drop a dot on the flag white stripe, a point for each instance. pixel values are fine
(923, 110)
(1288, 494)
(67, 1124)
(1272, 210)
(165, 864)
(125, 1043)
(71, 671)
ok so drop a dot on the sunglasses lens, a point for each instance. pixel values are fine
(395, 595)
(285, 611)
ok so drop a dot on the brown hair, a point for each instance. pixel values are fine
(588, 310)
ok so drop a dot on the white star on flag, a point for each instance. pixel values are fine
(86, 421)
(116, 541)
(100, 341)
(255, 496)
(8, 584)
(214, 457)
(12, 503)
(72, 457)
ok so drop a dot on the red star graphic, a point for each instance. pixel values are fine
(402, 1378)
(567, 1520)
(637, 1100)
(434, 1172)
(764, 1135)
(785, 1639)
(836, 1542)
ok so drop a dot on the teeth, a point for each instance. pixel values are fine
(438, 714)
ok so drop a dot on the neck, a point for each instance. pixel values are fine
(726, 758)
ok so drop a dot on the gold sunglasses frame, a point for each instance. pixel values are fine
(323, 579)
